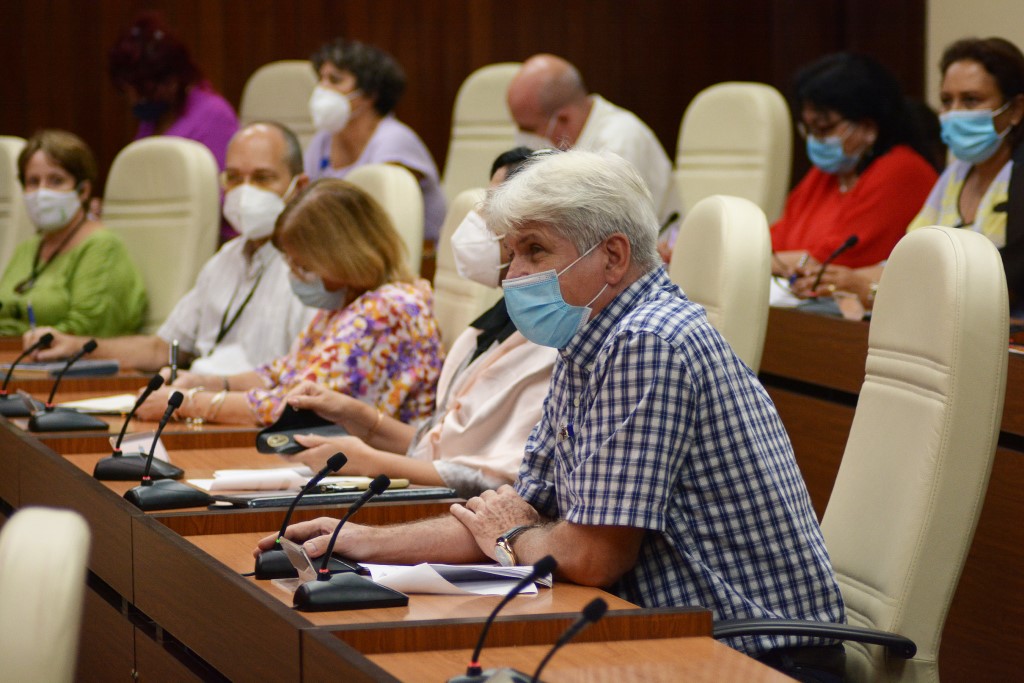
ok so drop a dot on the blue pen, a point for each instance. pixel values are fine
(31, 315)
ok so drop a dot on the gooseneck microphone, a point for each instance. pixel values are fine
(50, 419)
(11, 406)
(347, 590)
(474, 672)
(591, 614)
(672, 218)
(164, 494)
(850, 242)
(120, 467)
(274, 563)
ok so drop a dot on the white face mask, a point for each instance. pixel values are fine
(252, 211)
(536, 141)
(51, 210)
(329, 109)
(477, 251)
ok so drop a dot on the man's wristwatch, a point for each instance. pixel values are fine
(503, 546)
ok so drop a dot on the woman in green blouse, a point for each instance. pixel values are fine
(73, 274)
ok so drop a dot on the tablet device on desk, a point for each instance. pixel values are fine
(263, 500)
(87, 367)
(279, 438)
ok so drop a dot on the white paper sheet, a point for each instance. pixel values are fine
(119, 404)
(427, 578)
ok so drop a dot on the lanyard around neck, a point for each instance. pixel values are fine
(225, 324)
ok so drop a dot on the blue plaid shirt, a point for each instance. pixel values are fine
(651, 421)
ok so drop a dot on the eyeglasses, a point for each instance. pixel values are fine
(821, 131)
(261, 179)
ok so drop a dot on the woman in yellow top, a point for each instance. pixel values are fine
(73, 274)
(982, 95)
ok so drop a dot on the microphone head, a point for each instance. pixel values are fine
(850, 241)
(155, 382)
(45, 341)
(672, 217)
(89, 346)
(380, 484)
(595, 609)
(337, 461)
(175, 400)
(545, 565)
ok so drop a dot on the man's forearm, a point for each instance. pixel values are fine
(441, 539)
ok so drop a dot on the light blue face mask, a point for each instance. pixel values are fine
(315, 295)
(971, 133)
(536, 306)
(828, 154)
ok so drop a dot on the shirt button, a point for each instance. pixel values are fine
(576, 402)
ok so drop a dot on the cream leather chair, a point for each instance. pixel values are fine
(722, 260)
(458, 301)
(15, 226)
(482, 127)
(735, 139)
(43, 554)
(912, 482)
(279, 91)
(395, 188)
(162, 200)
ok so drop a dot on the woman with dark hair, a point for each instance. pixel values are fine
(982, 96)
(870, 172)
(167, 90)
(73, 275)
(352, 108)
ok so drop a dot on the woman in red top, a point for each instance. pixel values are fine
(870, 174)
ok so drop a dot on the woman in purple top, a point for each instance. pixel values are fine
(168, 92)
(352, 110)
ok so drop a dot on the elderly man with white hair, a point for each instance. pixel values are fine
(660, 468)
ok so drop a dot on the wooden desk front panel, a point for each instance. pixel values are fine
(106, 649)
(694, 660)
(325, 658)
(176, 436)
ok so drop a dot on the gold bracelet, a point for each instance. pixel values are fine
(190, 395)
(376, 424)
(215, 405)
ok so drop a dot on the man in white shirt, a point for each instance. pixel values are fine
(241, 311)
(552, 108)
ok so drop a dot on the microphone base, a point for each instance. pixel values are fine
(345, 591)
(274, 564)
(166, 494)
(16, 405)
(505, 675)
(131, 467)
(63, 420)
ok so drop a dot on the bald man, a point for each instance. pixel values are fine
(241, 312)
(552, 108)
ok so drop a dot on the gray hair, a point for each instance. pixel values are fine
(585, 197)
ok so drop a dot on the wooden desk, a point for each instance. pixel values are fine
(694, 660)
(813, 367)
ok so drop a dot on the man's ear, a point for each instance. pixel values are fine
(619, 254)
(301, 181)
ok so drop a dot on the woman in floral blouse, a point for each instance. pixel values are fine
(375, 337)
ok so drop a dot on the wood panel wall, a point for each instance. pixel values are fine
(651, 56)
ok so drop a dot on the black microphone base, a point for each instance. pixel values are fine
(63, 420)
(274, 564)
(16, 405)
(166, 494)
(495, 676)
(131, 467)
(345, 591)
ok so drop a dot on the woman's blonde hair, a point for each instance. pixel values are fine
(340, 229)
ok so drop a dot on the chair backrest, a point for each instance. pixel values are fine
(458, 301)
(279, 91)
(14, 223)
(395, 188)
(722, 260)
(162, 200)
(913, 478)
(43, 555)
(482, 127)
(735, 139)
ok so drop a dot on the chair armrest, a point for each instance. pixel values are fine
(895, 644)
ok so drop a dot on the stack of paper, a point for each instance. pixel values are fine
(279, 479)
(453, 579)
(120, 404)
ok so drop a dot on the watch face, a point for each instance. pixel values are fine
(503, 556)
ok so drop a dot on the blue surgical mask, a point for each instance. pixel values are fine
(828, 154)
(315, 295)
(538, 310)
(150, 110)
(971, 134)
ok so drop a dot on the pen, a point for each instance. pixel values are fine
(31, 315)
(799, 264)
(174, 361)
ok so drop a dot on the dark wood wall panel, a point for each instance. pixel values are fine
(651, 56)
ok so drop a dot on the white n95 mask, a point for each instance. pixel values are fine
(329, 109)
(253, 211)
(477, 251)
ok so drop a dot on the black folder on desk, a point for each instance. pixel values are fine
(265, 499)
